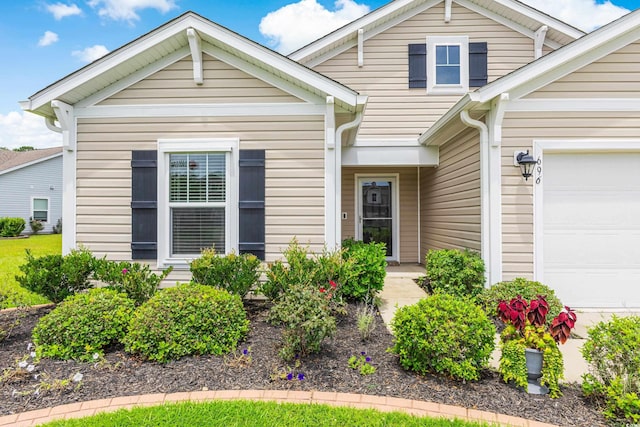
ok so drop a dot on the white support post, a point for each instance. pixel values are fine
(195, 45)
(360, 47)
(330, 166)
(538, 41)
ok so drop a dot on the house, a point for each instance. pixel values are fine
(403, 126)
(31, 183)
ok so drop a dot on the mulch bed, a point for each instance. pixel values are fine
(121, 374)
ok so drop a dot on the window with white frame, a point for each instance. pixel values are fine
(40, 209)
(197, 198)
(447, 65)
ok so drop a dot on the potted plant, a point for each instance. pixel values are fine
(530, 354)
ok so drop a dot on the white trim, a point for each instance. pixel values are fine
(331, 164)
(578, 104)
(33, 162)
(434, 88)
(65, 116)
(69, 199)
(33, 199)
(390, 155)
(418, 198)
(447, 11)
(201, 110)
(191, 145)
(542, 146)
(395, 208)
(538, 41)
(494, 175)
(360, 47)
(385, 142)
(195, 46)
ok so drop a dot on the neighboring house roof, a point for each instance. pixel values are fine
(170, 42)
(547, 69)
(511, 13)
(12, 160)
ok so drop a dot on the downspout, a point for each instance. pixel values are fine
(338, 184)
(485, 223)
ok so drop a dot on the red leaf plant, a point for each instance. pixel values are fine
(562, 324)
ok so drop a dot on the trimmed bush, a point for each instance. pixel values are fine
(83, 325)
(56, 277)
(11, 227)
(613, 353)
(306, 269)
(454, 272)
(187, 320)
(234, 273)
(443, 334)
(36, 225)
(137, 281)
(489, 298)
(368, 269)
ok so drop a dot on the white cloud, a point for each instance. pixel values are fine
(298, 24)
(19, 128)
(61, 10)
(49, 37)
(91, 53)
(586, 15)
(126, 10)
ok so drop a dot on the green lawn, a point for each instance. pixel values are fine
(247, 413)
(12, 255)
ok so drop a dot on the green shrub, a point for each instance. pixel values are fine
(613, 353)
(186, 320)
(56, 277)
(137, 281)
(83, 325)
(36, 225)
(454, 272)
(11, 227)
(489, 298)
(443, 334)
(305, 313)
(368, 269)
(234, 273)
(57, 229)
(306, 269)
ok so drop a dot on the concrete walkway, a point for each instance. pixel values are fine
(400, 289)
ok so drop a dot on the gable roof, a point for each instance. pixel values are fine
(171, 38)
(12, 160)
(547, 69)
(512, 13)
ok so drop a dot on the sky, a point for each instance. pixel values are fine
(42, 41)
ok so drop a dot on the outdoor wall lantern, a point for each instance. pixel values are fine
(526, 163)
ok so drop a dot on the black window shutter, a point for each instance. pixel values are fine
(251, 203)
(144, 201)
(478, 74)
(417, 65)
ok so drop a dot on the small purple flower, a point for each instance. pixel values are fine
(245, 351)
(368, 359)
(289, 376)
(363, 353)
(125, 271)
(300, 376)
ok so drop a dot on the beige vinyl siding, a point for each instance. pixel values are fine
(222, 84)
(450, 208)
(294, 174)
(519, 132)
(614, 76)
(408, 208)
(394, 110)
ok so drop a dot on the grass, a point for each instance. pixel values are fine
(249, 413)
(13, 255)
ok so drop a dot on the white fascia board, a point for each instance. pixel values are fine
(203, 110)
(31, 163)
(563, 61)
(543, 18)
(577, 104)
(416, 155)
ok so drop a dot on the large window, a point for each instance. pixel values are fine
(197, 198)
(40, 209)
(447, 65)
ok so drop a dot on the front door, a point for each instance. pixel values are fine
(376, 212)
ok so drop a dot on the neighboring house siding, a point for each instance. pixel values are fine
(450, 211)
(408, 206)
(222, 84)
(394, 110)
(519, 132)
(21, 185)
(294, 174)
(614, 76)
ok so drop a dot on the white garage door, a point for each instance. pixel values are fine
(591, 220)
